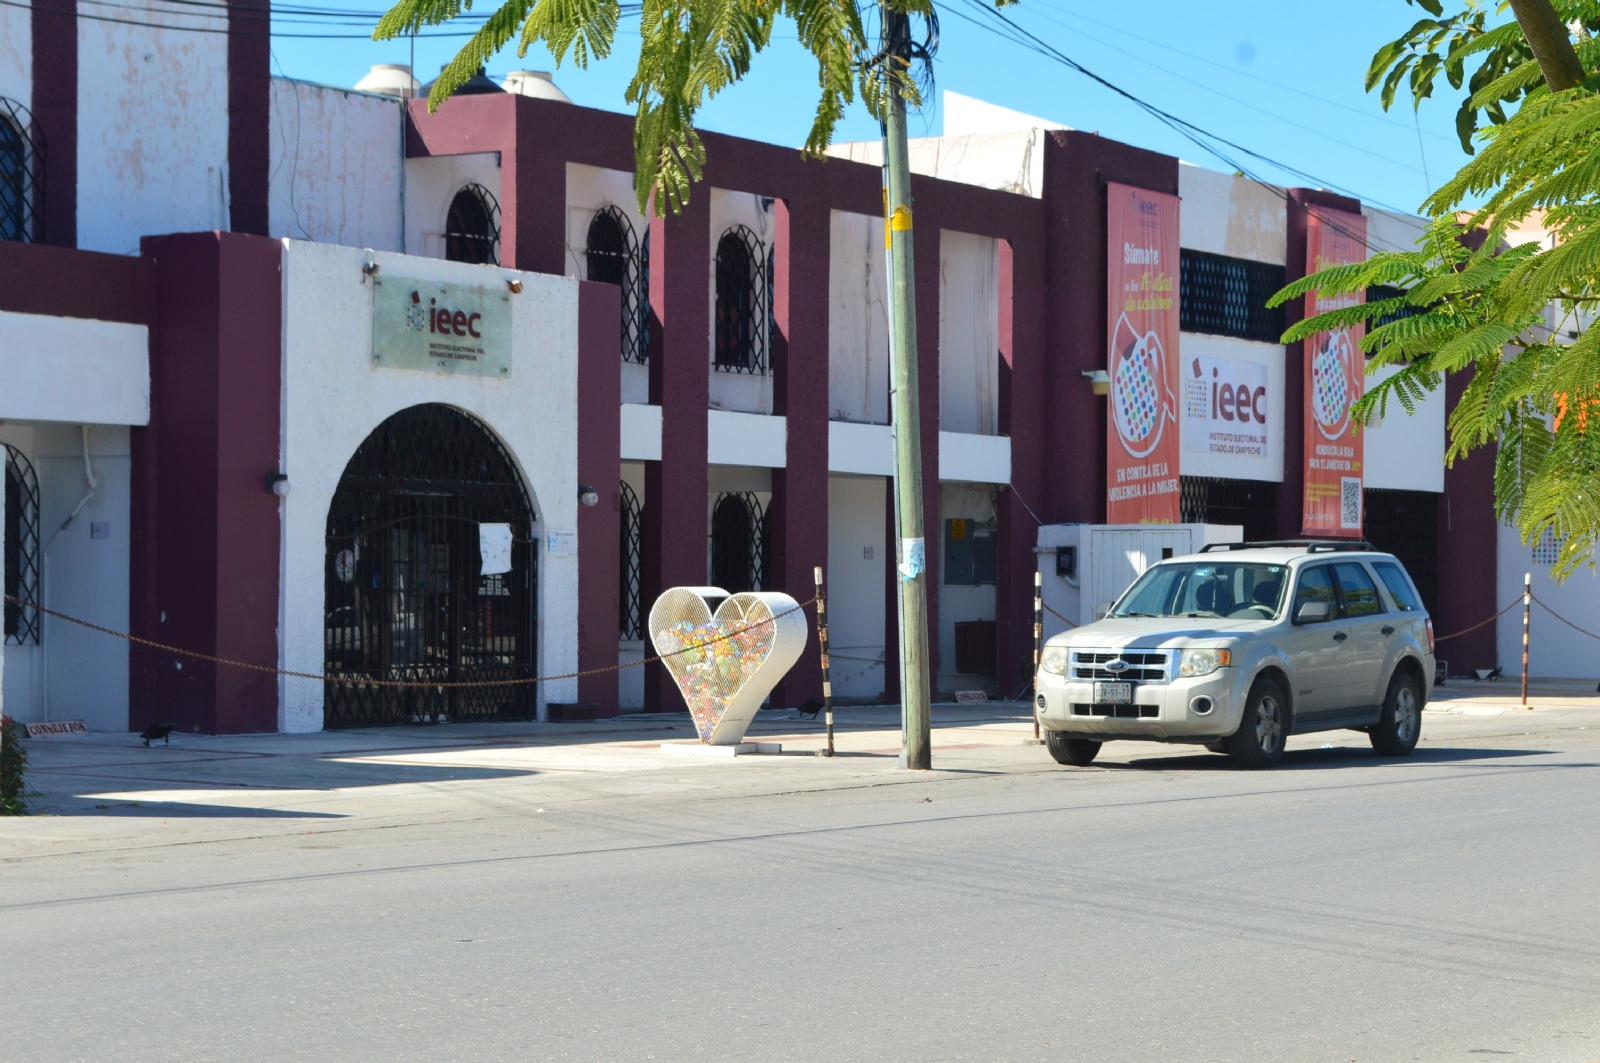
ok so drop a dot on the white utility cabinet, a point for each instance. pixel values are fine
(1085, 564)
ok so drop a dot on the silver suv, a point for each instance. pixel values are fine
(1242, 645)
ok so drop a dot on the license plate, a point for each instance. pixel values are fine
(1113, 693)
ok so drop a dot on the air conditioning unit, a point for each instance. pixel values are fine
(1082, 565)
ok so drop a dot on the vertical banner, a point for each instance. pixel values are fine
(1334, 369)
(1142, 323)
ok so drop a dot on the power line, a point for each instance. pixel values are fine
(1201, 138)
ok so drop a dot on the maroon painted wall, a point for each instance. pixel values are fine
(1077, 167)
(249, 114)
(65, 282)
(1468, 536)
(676, 487)
(800, 393)
(55, 109)
(205, 535)
(599, 526)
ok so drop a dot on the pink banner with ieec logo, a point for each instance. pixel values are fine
(1334, 368)
(1142, 322)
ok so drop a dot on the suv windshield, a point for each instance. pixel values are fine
(1206, 589)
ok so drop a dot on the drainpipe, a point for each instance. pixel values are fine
(44, 567)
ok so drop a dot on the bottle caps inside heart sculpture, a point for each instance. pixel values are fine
(726, 662)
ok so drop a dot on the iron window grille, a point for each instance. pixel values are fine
(740, 323)
(1228, 296)
(741, 551)
(1212, 500)
(472, 227)
(404, 593)
(614, 257)
(631, 607)
(1386, 291)
(22, 549)
(22, 158)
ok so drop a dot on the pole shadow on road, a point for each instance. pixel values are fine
(1333, 757)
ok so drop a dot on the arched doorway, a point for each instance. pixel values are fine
(405, 597)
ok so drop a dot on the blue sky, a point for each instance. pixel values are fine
(1280, 77)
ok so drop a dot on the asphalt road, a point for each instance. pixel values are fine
(1165, 908)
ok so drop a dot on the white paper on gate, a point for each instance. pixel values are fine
(494, 546)
(788, 642)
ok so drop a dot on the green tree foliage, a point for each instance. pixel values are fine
(1514, 317)
(690, 51)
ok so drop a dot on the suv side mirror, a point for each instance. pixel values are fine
(1101, 609)
(1313, 612)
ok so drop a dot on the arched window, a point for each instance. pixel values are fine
(472, 228)
(739, 551)
(631, 606)
(21, 173)
(740, 326)
(614, 257)
(22, 549)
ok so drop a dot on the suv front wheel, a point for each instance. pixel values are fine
(1079, 752)
(1258, 743)
(1398, 728)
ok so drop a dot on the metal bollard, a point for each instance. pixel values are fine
(822, 641)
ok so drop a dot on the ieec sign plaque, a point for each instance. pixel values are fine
(441, 328)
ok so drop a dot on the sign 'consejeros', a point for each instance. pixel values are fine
(440, 327)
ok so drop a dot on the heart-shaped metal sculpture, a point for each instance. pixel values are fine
(726, 659)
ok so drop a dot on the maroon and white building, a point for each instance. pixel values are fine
(211, 442)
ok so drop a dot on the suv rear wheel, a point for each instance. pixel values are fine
(1079, 752)
(1398, 728)
(1258, 743)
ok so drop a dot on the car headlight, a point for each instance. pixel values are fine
(1202, 662)
(1054, 660)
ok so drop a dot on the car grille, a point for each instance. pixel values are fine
(1142, 667)
(1121, 712)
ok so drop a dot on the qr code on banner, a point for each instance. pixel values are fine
(1350, 502)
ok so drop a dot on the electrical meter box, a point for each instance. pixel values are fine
(1084, 565)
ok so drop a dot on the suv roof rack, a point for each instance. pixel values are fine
(1311, 546)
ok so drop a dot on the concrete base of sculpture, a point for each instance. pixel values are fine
(741, 750)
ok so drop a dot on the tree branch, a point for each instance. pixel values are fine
(1547, 36)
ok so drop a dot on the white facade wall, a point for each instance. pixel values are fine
(745, 392)
(16, 54)
(857, 591)
(1233, 216)
(1555, 650)
(152, 125)
(338, 163)
(1389, 231)
(333, 398)
(1405, 452)
(431, 185)
(74, 673)
(858, 319)
(74, 369)
(969, 333)
(590, 190)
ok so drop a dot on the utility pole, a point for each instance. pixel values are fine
(910, 550)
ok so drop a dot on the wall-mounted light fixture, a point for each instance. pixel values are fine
(588, 496)
(278, 483)
(1100, 379)
(370, 269)
(515, 284)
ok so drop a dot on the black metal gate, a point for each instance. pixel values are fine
(404, 596)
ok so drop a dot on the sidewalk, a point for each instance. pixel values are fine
(109, 789)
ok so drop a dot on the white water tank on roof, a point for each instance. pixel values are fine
(391, 79)
(535, 83)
